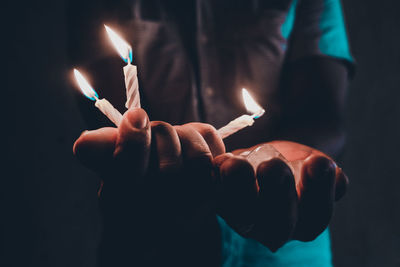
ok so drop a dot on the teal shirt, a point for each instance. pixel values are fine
(241, 252)
(316, 28)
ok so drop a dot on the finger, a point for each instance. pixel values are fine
(238, 193)
(211, 136)
(196, 157)
(133, 143)
(168, 148)
(316, 190)
(193, 144)
(277, 208)
(95, 148)
(342, 183)
(217, 161)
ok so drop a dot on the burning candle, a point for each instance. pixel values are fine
(244, 120)
(102, 104)
(130, 71)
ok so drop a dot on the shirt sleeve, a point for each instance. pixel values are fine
(319, 30)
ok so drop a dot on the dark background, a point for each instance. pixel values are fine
(48, 213)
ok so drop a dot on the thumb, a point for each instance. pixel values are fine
(132, 149)
(94, 149)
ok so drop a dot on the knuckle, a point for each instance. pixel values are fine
(161, 127)
(276, 173)
(137, 138)
(273, 166)
(208, 131)
(237, 164)
(193, 145)
(321, 166)
(219, 160)
(237, 167)
(132, 143)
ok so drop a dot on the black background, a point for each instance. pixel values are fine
(48, 201)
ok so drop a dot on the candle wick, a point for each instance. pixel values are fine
(258, 114)
(129, 56)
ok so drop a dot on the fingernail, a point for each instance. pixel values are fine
(275, 171)
(138, 118)
(321, 169)
(140, 123)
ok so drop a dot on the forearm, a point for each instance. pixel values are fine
(329, 139)
(313, 97)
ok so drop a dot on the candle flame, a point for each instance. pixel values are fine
(123, 48)
(85, 87)
(252, 105)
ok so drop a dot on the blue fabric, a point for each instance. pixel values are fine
(241, 252)
(316, 28)
(287, 26)
(333, 41)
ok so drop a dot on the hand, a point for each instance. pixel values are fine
(157, 184)
(140, 149)
(272, 205)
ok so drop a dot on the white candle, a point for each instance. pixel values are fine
(236, 125)
(112, 113)
(132, 87)
(130, 71)
(244, 120)
(102, 104)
